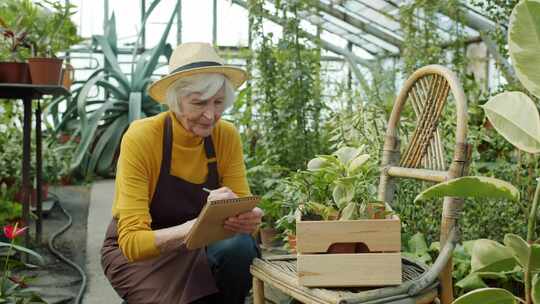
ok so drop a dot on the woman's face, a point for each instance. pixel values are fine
(199, 116)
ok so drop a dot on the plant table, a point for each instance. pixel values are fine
(27, 93)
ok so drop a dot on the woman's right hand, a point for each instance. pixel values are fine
(221, 194)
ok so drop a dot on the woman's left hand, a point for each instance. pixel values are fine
(246, 222)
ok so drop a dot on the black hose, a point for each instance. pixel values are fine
(59, 255)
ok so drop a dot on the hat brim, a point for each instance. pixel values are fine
(158, 89)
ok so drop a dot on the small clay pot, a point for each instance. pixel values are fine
(45, 71)
(268, 237)
(14, 72)
(291, 240)
(376, 210)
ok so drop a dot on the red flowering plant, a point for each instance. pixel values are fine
(13, 289)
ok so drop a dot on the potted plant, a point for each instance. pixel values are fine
(272, 212)
(344, 183)
(267, 179)
(338, 214)
(52, 32)
(13, 41)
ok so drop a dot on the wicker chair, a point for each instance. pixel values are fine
(426, 90)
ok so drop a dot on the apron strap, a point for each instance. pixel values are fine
(213, 180)
(167, 147)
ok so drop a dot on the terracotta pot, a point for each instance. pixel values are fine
(14, 72)
(66, 180)
(269, 237)
(8, 180)
(33, 196)
(376, 210)
(68, 74)
(65, 137)
(45, 71)
(291, 240)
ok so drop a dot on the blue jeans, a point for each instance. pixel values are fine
(230, 260)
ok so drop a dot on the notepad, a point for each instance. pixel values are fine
(208, 227)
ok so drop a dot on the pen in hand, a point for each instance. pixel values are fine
(206, 189)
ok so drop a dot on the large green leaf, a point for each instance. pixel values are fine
(106, 160)
(524, 43)
(475, 280)
(342, 194)
(490, 256)
(519, 247)
(535, 291)
(487, 296)
(346, 154)
(471, 186)
(110, 58)
(417, 244)
(535, 258)
(468, 246)
(118, 92)
(349, 212)
(470, 282)
(515, 117)
(134, 106)
(87, 134)
(97, 153)
(110, 33)
(24, 250)
(418, 248)
(357, 163)
(316, 164)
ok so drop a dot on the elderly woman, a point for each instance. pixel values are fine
(165, 161)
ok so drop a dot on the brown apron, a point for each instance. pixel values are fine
(180, 276)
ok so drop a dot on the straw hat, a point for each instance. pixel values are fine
(194, 58)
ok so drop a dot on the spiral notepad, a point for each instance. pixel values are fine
(209, 225)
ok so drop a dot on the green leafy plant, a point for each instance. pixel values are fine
(515, 116)
(416, 248)
(337, 186)
(285, 105)
(268, 180)
(52, 30)
(100, 122)
(17, 17)
(14, 39)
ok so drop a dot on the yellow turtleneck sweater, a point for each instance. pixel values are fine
(138, 171)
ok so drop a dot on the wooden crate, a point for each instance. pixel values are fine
(381, 266)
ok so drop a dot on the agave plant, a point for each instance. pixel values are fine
(515, 116)
(100, 122)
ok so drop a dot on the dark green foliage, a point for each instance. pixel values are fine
(285, 92)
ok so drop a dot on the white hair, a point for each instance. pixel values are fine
(207, 84)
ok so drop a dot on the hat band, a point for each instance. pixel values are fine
(193, 65)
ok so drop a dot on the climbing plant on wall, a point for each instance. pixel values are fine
(286, 89)
(420, 22)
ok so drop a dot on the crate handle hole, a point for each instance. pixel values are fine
(348, 248)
